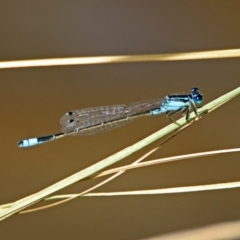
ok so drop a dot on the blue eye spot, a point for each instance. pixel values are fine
(198, 99)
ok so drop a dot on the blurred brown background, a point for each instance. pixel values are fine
(33, 100)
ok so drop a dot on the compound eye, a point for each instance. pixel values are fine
(198, 99)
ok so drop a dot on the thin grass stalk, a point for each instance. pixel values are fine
(215, 54)
(199, 188)
(163, 160)
(144, 192)
(220, 231)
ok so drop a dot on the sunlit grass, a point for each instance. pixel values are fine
(227, 53)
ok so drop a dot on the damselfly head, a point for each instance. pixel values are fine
(196, 95)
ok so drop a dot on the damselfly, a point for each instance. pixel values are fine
(90, 121)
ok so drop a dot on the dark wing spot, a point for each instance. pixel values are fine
(71, 120)
(70, 113)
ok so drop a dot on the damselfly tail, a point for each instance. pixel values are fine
(36, 141)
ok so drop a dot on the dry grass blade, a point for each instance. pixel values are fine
(220, 231)
(30, 200)
(206, 187)
(136, 164)
(228, 53)
(158, 191)
(163, 160)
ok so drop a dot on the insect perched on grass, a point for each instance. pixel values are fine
(90, 121)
